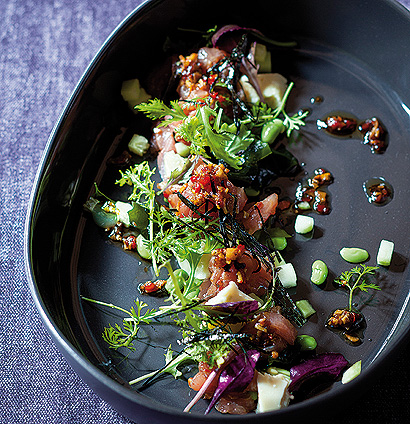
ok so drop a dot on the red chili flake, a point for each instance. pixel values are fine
(212, 78)
(241, 248)
(322, 209)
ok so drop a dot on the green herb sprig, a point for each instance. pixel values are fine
(355, 279)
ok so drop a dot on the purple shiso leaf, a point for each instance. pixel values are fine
(251, 71)
(231, 28)
(244, 308)
(325, 364)
(236, 376)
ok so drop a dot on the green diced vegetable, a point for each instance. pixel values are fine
(142, 247)
(304, 224)
(354, 255)
(182, 149)
(305, 308)
(385, 253)
(287, 275)
(352, 372)
(133, 93)
(304, 206)
(263, 58)
(138, 145)
(319, 272)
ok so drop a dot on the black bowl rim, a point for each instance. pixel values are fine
(70, 352)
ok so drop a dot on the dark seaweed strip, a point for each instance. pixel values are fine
(232, 230)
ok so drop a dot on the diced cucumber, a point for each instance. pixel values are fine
(385, 253)
(130, 89)
(304, 224)
(352, 372)
(182, 149)
(201, 270)
(304, 206)
(287, 275)
(305, 308)
(142, 247)
(133, 93)
(173, 164)
(263, 58)
(138, 145)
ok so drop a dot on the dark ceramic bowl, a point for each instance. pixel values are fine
(353, 55)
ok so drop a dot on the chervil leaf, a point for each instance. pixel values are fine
(351, 279)
(157, 109)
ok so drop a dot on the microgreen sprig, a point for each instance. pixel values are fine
(263, 113)
(118, 336)
(355, 279)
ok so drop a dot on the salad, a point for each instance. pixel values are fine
(215, 228)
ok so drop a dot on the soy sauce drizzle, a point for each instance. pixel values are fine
(311, 195)
(370, 130)
(378, 191)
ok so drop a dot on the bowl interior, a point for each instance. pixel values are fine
(339, 57)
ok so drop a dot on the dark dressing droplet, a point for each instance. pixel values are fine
(378, 191)
(316, 99)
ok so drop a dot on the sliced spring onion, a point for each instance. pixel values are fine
(305, 308)
(352, 372)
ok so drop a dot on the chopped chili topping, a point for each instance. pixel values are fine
(130, 243)
(374, 135)
(338, 125)
(208, 189)
(379, 193)
(310, 192)
(152, 287)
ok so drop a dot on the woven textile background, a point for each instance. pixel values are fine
(45, 45)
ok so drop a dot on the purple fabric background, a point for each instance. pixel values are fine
(45, 45)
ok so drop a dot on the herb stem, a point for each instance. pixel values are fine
(108, 305)
(280, 109)
(181, 297)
